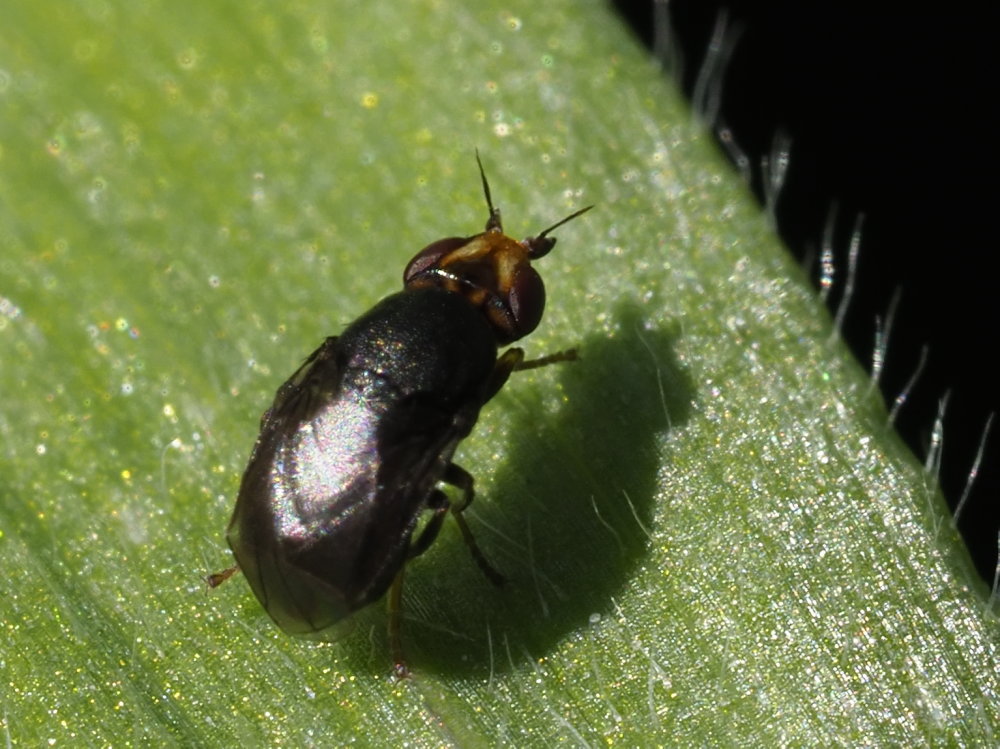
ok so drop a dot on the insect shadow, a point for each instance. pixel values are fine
(567, 516)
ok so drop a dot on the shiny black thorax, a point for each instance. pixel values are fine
(426, 343)
(351, 450)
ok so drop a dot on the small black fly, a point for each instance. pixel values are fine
(357, 442)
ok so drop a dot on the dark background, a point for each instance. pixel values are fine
(890, 115)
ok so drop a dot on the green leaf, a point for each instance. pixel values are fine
(713, 536)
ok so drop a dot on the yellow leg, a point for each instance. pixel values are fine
(396, 626)
(544, 361)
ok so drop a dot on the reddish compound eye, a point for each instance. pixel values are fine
(430, 256)
(526, 299)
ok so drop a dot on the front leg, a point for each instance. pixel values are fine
(512, 360)
(544, 361)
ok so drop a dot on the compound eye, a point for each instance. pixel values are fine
(430, 257)
(526, 299)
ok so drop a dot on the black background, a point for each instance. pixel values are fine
(890, 115)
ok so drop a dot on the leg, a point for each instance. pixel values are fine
(395, 626)
(462, 479)
(440, 504)
(512, 360)
(544, 361)
(217, 578)
(506, 364)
